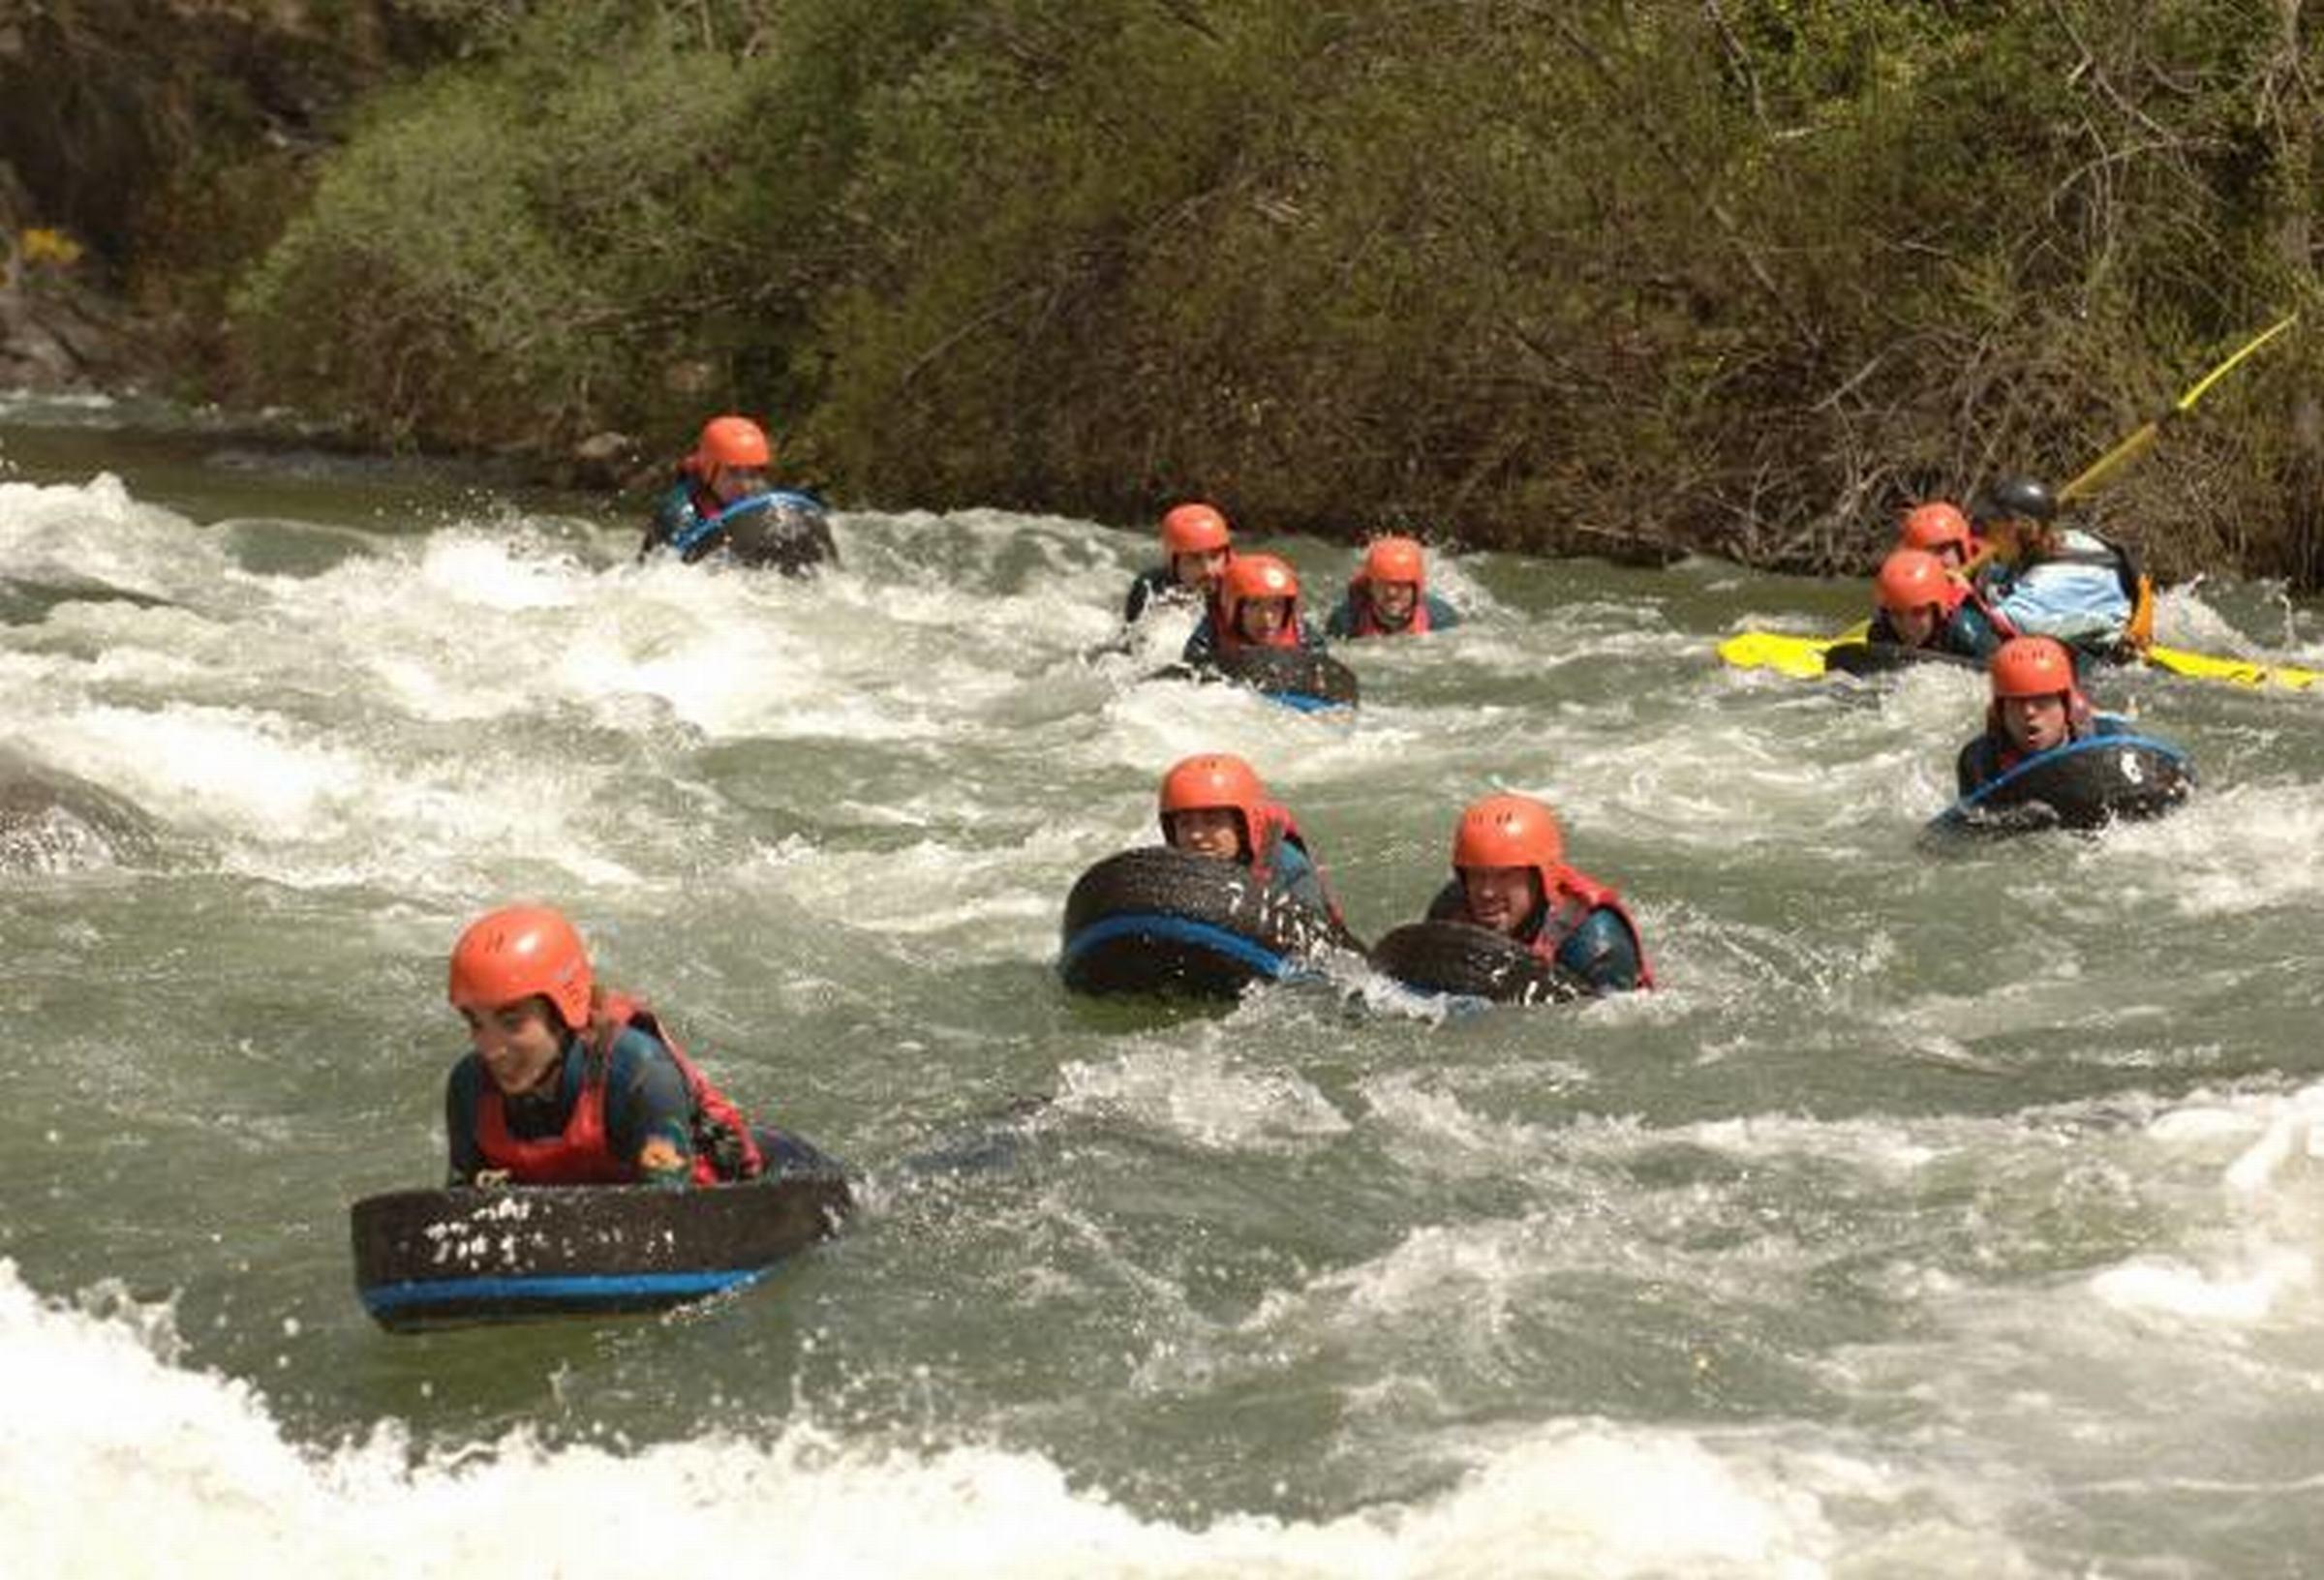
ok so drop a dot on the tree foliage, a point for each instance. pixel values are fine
(1738, 275)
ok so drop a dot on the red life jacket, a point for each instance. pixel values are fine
(1367, 618)
(581, 1154)
(1575, 897)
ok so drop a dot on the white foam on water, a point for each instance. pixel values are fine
(1204, 1095)
(124, 1462)
(94, 532)
(2168, 1287)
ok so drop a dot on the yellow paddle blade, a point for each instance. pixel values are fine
(2202, 386)
(1799, 656)
(2204, 666)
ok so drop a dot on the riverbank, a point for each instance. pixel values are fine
(1338, 273)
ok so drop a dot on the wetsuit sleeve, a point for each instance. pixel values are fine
(1142, 593)
(1342, 621)
(1203, 646)
(1442, 616)
(1971, 770)
(1296, 877)
(1970, 633)
(1602, 952)
(462, 1158)
(673, 513)
(649, 1114)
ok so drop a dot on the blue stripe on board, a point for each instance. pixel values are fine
(573, 1288)
(2094, 742)
(1178, 930)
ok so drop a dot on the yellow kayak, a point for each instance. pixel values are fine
(1802, 657)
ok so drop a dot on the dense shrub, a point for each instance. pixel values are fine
(1570, 274)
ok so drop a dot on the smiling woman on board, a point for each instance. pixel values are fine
(567, 1084)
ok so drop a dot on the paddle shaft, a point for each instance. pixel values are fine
(2146, 434)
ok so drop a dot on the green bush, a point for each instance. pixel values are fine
(1745, 275)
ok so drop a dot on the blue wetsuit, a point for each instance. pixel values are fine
(1295, 876)
(679, 509)
(646, 1099)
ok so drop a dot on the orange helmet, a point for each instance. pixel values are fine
(1932, 526)
(1258, 576)
(1909, 579)
(517, 952)
(1213, 779)
(732, 442)
(1511, 831)
(1193, 528)
(2032, 666)
(1393, 560)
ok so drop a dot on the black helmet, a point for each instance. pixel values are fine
(2013, 499)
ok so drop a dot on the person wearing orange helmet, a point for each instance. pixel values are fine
(1389, 596)
(565, 1083)
(722, 501)
(2038, 705)
(1509, 876)
(1921, 605)
(1258, 607)
(1213, 806)
(1938, 526)
(1196, 546)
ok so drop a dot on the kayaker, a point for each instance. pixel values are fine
(707, 506)
(1938, 526)
(1213, 806)
(2048, 579)
(567, 1084)
(2038, 705)
(1389, 596)
(1509, 876)
(1196, 546)
(1920, 605)
(1258, 607)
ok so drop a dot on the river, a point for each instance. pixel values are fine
(1937, 1217)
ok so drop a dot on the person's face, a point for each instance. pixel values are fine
(519, 1043)
(1951, 553)
(1261, 618)
(1201, 569)
(1500, 897)
(1213, 831)
(732, 483)
(1915, 626)
(1395, 600)
(2034, 723)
